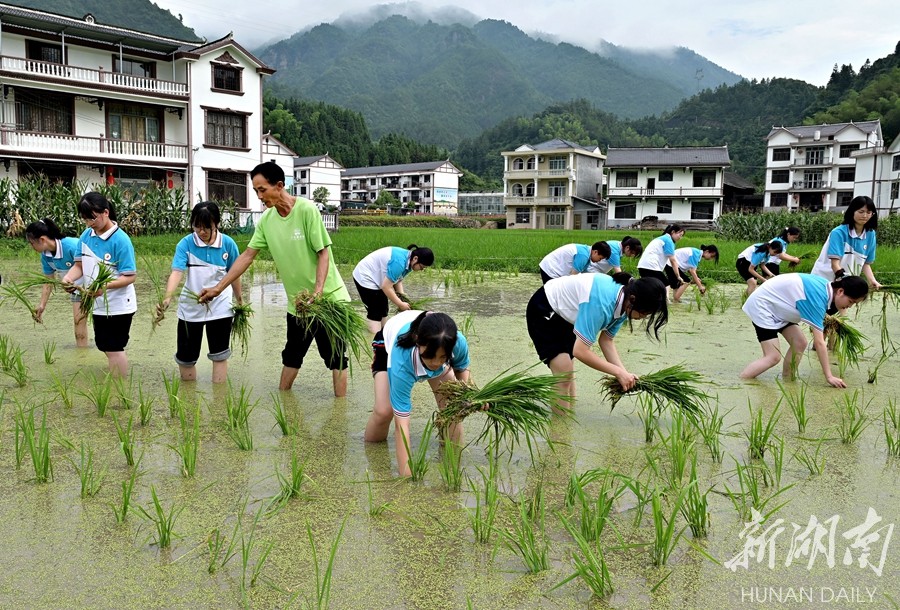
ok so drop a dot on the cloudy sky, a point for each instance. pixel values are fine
(755, 38)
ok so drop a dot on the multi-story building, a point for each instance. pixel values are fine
(878, 176)
(553, 185)
(104, 104)
(813, 167)
(321, 171)
(673, 184)
(432, 187)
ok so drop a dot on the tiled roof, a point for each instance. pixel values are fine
(558, 143)
(716, 156)
(301, 161)
(732, 179)
(827, 129)
(393, 169)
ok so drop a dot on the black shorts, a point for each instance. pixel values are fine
(111, 333)
(299, 340)
(767, 334)
(376, 302)
(672, 281)
(551, 334)
(379, 354)
(743, 268)
(775, 268)
(545, 277)
(653, 273)
(190, 337)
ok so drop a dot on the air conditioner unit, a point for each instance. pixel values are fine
(540, 159)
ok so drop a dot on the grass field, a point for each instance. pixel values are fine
(497, 250)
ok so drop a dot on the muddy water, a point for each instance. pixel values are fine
(57, 550)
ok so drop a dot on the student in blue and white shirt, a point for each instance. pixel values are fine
(105, 243)
(659, 253)
(379, 279)
(413, 346)
(779, 305)
(688, 260)
(788, 236)
(567, 314)
(629, 246)
(751, 261)
(850, 247)
(573, 258)
(205, 255)
(58, 257)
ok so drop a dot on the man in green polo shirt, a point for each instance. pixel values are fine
(291, 229)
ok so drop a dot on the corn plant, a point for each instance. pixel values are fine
(590, 565)
(99, 392)
(526, 537)
(812, 461)
(49, 352)
(188, 446)
(482, 516)
(164, 522)
(418, 461)
(90, 476)
(64, 390)
(375, 509)
(695, 507)
(173, 384)
(450, 466)
(760, 432)
(121, 511)
(282, 419)
(237, 412)
(797, 404)
(854, 418)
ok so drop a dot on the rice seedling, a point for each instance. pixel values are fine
(344, 327)
(95, 287)
(16, 368)
(848, 341)
(873, 373)
(797, 403)
(188, 447)
(121, 511)
(164, 522)
(679, 446)
(248, 544)
(515, 405)
(450, 466)
(648, 413)
(375, 509)
(63, 389)
(578, 481)
(760, 432)
(750, 495)
(323, 574)
(802, 257)
(222, 548)
(467, 325)
(90, 476)
(417, 304)
(291, 485)
(526, 537)
(158, 283)
(126, 438)
(590, 565)
(773, 472)
(813, 462)
(482, 516)
(665, 534)
(145, 401)
(892, 413)
(173, 385)
(891, 419)
(19, 433)
(709, 424)
(241, 327)
(36, 441)
(854, 418)
(125, 389)
(418, 460)
(49, 352)
(99, 392)
(535, 501)
(16, 293)
(695, 508)
(238, 408)
(673, 385)
(595, 510)
(4, 352)
(282, 421)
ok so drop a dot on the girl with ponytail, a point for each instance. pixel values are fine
(750, 263)
(379, 279)
(788, 236)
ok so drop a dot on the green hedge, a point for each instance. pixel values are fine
(419, 222)
(814, 226)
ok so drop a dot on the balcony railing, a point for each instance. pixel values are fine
(12, 141)
(77, 75)
(664, 193)
(804, 161)
(812, 185)
(514, 200)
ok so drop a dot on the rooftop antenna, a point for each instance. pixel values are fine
(698, 75)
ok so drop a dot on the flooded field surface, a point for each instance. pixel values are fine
(400, 544)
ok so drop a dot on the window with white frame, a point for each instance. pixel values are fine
(702, 210)
(781, 176)
(557, 162)
(778, 200)
(895, 165)
(531, 163)
(523, 216)
(664, 206)
(781, 154)
(556, 188)
(518, 164)
(626, 179)
(529, 190)
(846, 150)
(625, 209)
(134, 67)
(517, 190)
(133, 122)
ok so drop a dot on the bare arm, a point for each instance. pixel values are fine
(321, 269)
(45, 296)
(697, 281)
(237, 270)
(822, 354)
(74, 273)
(401, 429)
(387, 287)
(171, 286)
(674, 264)
(238, 295)
(583, 353)
(787, 257)
(752, 271)
(867, 271)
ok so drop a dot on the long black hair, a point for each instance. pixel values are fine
(431, 331)
(789, 231)
(425, 255)
(646, 296)
(672, 228)
(633, 244)
(862, 202)
(94, 203)
(854, 286)
(711, 248)
(773, 245)
(43, 228)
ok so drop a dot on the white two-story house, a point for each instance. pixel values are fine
(431, 187)
(673, 184)
(320, 171)
(812, 167)
(878, 176)
(104, 104)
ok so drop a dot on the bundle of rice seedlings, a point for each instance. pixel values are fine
(89, 292)
(848, 341)
(16, 292)
(241, 327)
(343, 326)
(805, 256)
(416, 304)
(675, 384)
(514, 405)
(158, 282)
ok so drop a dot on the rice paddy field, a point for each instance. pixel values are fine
(158, 494)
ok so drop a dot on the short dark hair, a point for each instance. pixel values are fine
(94, 203)
(602, 248)
(206, 214)
(854, 286)
(272, 172)
(425, 255)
